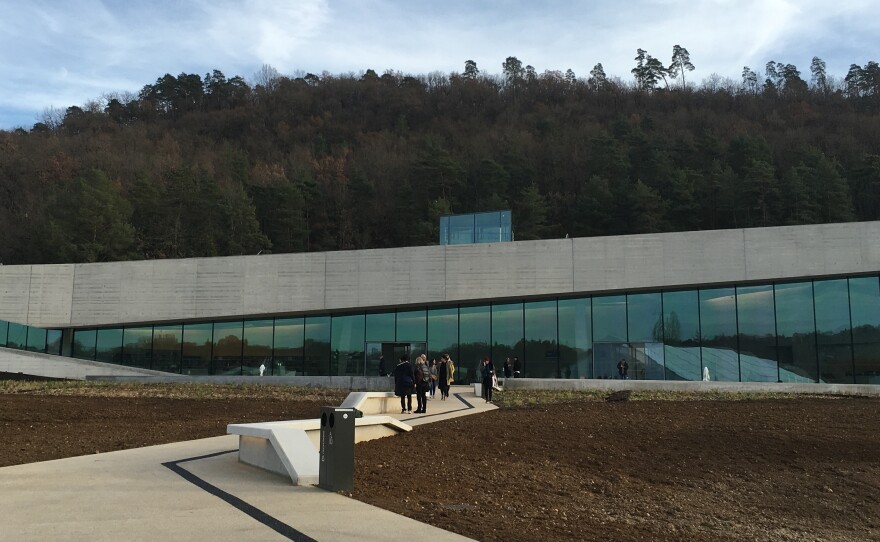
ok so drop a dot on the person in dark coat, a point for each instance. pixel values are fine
(383, 371)
(404, 384)
(488, 371)
(443, 377)
(508, 369)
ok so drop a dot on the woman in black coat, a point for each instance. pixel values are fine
(404, 382)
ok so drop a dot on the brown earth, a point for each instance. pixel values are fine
(775, 469)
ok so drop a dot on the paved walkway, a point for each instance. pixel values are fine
(196, 491)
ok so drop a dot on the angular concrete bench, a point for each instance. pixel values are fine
(291, 448)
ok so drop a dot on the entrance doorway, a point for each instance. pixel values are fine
(645, 360)
(391, 352)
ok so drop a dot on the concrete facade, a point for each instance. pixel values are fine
(115, 293)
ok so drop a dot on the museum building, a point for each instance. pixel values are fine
(781, 304)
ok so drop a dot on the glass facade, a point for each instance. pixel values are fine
(805, 331)
(492, 227)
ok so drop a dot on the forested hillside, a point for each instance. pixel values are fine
(205, 166)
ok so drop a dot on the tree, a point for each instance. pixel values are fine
(570, 77)
(819, 78)
(268, 78)
(749, 80)
(648, 71)
(531, 214)
(681, 62)
(513, 71)
(470, 70)
(598, 79)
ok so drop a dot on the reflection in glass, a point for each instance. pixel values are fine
(645, 325)
(443, 333)
(289, 358)
(474, 331)
(84, 343)
(16, 336)
(541, 352)
(833, 333)
(609, 318)
(411, 326)
(257, 347)
(137, 346)
(681, 335)
(53, 341)
(757, 334)
(796, 332)
(197, 341)
(864, 295)
(316, 347)
(507, 336)
(461, 229)
(109, 346)
(36, 339)
(226, 353)
(575, 338)
(381, 327)
(718, 330)
(347, 345)
(167, 344)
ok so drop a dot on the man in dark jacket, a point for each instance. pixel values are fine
(404, 382)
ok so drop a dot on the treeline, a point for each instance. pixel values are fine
(205, 166)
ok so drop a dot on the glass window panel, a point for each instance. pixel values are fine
(197, 341)
(461, 229)
(411, 326)
(257, 347)
(288, 357)
(443, 333)
(645, 325)
(84, 343)
(507, 336)
(36, 339)
(381, 327)
(864, 298)
(444, 230)
(575, 338)
(833, 333)
(4, 327)
(53, 341)
(506, 226)
(718, 329)
(167, 342)
(226, 353)
(487, 228)
(347, 345)
(681, 335)
(609, 318)
(541, 351)
(137, 346)
(757, 334)
(16, 336)
(108, 347)
(474, 331)
(796, 332)
(317, 346)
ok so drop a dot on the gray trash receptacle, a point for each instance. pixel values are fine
(336, 469)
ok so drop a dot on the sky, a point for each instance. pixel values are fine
(59, 53)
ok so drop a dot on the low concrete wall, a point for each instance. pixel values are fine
(35, 364)
(666, 385)
(354, 383)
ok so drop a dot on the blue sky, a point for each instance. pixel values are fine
(66, 52)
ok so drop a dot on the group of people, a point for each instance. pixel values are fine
(423, 378)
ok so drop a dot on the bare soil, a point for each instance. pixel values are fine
(774, 469)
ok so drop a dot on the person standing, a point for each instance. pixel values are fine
(622, 368)
(443, 377)
(383, 371)
(488, 372)
(423, 379)
(508, 369)
(404, 381)
(434, 377)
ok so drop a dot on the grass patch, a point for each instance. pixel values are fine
(185, 390)
(519, 398)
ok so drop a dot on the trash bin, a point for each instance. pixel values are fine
(336, 469)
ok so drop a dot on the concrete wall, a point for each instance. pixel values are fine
(353, 383)
(205, 288)
(32, 363)
(681, 386)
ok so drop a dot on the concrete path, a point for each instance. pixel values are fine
(196, 491)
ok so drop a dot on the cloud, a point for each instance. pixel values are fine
(65, 53)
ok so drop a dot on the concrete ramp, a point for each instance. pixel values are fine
(50, 366)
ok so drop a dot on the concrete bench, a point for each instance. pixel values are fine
(291, 448)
